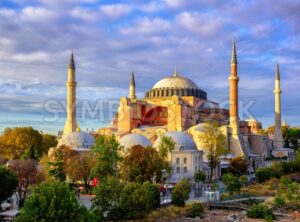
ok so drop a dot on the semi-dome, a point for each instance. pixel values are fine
(77, 140)
(132, 139)
(176, 85)
(183, 141)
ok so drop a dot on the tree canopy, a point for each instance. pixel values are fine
(214, 144)
(52, 201)
(8, 183)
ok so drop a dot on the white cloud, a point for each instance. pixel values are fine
(36, 14)
(31, 57)
(85, 14)
(146, 25)
(115, 10)
(204, 24)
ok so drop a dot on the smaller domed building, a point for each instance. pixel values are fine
(185, 159)
(78, 141)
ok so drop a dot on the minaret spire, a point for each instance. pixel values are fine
(71, 122)
(233, 92)
(233, 53)
(278, 138)
(132, 87)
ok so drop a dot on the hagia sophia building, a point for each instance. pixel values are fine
(176, 107)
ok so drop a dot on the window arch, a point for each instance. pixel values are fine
(178, 170)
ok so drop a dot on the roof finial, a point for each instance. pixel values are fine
(72, 63)
(175, 72)
(277, 75)
(233, 54)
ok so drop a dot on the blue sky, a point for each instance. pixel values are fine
(112, 38)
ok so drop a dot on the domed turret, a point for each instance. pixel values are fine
(132, 139)
(183, 141)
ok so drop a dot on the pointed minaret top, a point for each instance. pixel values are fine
(72, 63)
(233, 54)
(277, 74)
(132, 81)
(175, 74)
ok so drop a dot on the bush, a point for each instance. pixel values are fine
(232, 183)
(263, 174)
(197, 210)
(260, 211)
(181, 193)
(278, 202)
(52, 201)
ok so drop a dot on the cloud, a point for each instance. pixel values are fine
(147, 26)
(115, 10)
(110, 40)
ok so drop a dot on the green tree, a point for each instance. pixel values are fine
(181, 192)
(8, 183)
(197, 210)
(106, 151)
(199, 177)
(21, 142)
(106, 202)
(232, 183)
(80, 168)
(263, 174)
(52, 201)
(214, 145)
(166, 146)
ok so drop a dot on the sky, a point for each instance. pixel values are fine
(110, 39)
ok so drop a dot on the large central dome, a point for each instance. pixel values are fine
(175, 85)
(175, 82)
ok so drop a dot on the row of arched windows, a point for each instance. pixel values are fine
(179, 92)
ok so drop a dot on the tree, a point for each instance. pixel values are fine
(80, 168)
(166, 146)
(52, 201)
(26, 171)
(263, 174)
(143, 164)
(21, 142)
(238, 166)
(106, 202)
(106, 151)
(116, 200)
(200, 177)
(8, 183)
(214, 145)
(137, 200)
(60, 160)
(232, 183)
(181, 192)
(49, 141)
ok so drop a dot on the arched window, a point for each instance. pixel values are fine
(167, 92)
(185, 169)
(178, 170)
(162, 93)
(184, 160)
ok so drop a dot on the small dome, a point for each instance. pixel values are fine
(183, 141)
(77, 140)
(132, 139)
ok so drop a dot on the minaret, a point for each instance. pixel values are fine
(233, 82)
(278, 138)
(132, 87)
(71, 122)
